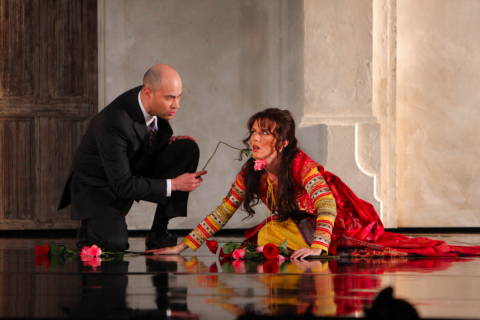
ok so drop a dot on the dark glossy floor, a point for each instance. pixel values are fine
(197, 286)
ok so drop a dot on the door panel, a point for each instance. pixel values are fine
(48, 91)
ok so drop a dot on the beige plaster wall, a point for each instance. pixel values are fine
(338, 89)
(384, 90)
(438, 98)
(235, 57)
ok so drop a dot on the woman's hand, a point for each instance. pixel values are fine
(169, 250)
(300, 254)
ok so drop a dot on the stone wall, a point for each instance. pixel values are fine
(384, 91)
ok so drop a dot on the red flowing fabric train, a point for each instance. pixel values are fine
(358, 226)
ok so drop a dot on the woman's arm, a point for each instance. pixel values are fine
(326, 210)
(213, 222)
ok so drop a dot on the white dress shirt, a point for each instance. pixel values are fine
(148, 121)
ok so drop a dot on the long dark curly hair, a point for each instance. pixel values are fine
(281, 124)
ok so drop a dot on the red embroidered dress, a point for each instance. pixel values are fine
(342, 220)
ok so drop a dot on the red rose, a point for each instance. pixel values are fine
(212, 246)
(42, 250)
(270, 251)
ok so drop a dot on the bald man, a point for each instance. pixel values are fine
(128, 153)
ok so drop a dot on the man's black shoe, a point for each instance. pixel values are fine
(155, 241)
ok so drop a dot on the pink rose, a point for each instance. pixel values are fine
(95, 251)
(88, 252)
(85, 252)
(259, 165)
(260, 249)
(238, 254)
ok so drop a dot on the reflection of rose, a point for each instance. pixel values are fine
(271, 266)
(212, 246)
(239, 266)
(42, 259)
(260, 268)
(238, 254)
(270, 251)
(213, 268)
(93, 262)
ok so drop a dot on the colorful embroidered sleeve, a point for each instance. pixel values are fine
(325, 207)
(219, 217)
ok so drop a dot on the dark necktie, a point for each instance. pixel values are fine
(152, 132)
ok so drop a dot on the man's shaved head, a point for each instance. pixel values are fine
(162, 91)
(153, 77)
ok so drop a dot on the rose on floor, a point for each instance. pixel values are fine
(270, 251)
(93, 251)
(238, 254)
(42, 250)
(91, 256)
(245, 251)
(212, 246)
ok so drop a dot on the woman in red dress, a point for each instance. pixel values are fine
(310, 208)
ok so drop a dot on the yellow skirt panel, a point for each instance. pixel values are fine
(277, 232)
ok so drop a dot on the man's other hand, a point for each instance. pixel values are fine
(188, 181)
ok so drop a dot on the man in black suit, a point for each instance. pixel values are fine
(128, 153)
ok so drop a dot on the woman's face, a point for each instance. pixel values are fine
(262, 142)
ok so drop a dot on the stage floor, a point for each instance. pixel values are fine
(198, 286)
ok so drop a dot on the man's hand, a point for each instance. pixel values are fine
(175, 138)
(168, 250)
(188, 181)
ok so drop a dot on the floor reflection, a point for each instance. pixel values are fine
(203, 287)
(103, 291)
(341, 287)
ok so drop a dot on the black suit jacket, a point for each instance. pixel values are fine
(110, 167)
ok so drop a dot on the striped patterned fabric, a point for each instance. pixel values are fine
(218, 218)
(315, 197)
(325, 208)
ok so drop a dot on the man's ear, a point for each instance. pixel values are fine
(147, 91)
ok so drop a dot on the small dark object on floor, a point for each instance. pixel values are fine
(386, 307)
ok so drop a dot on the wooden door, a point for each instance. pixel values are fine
(48, 91)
